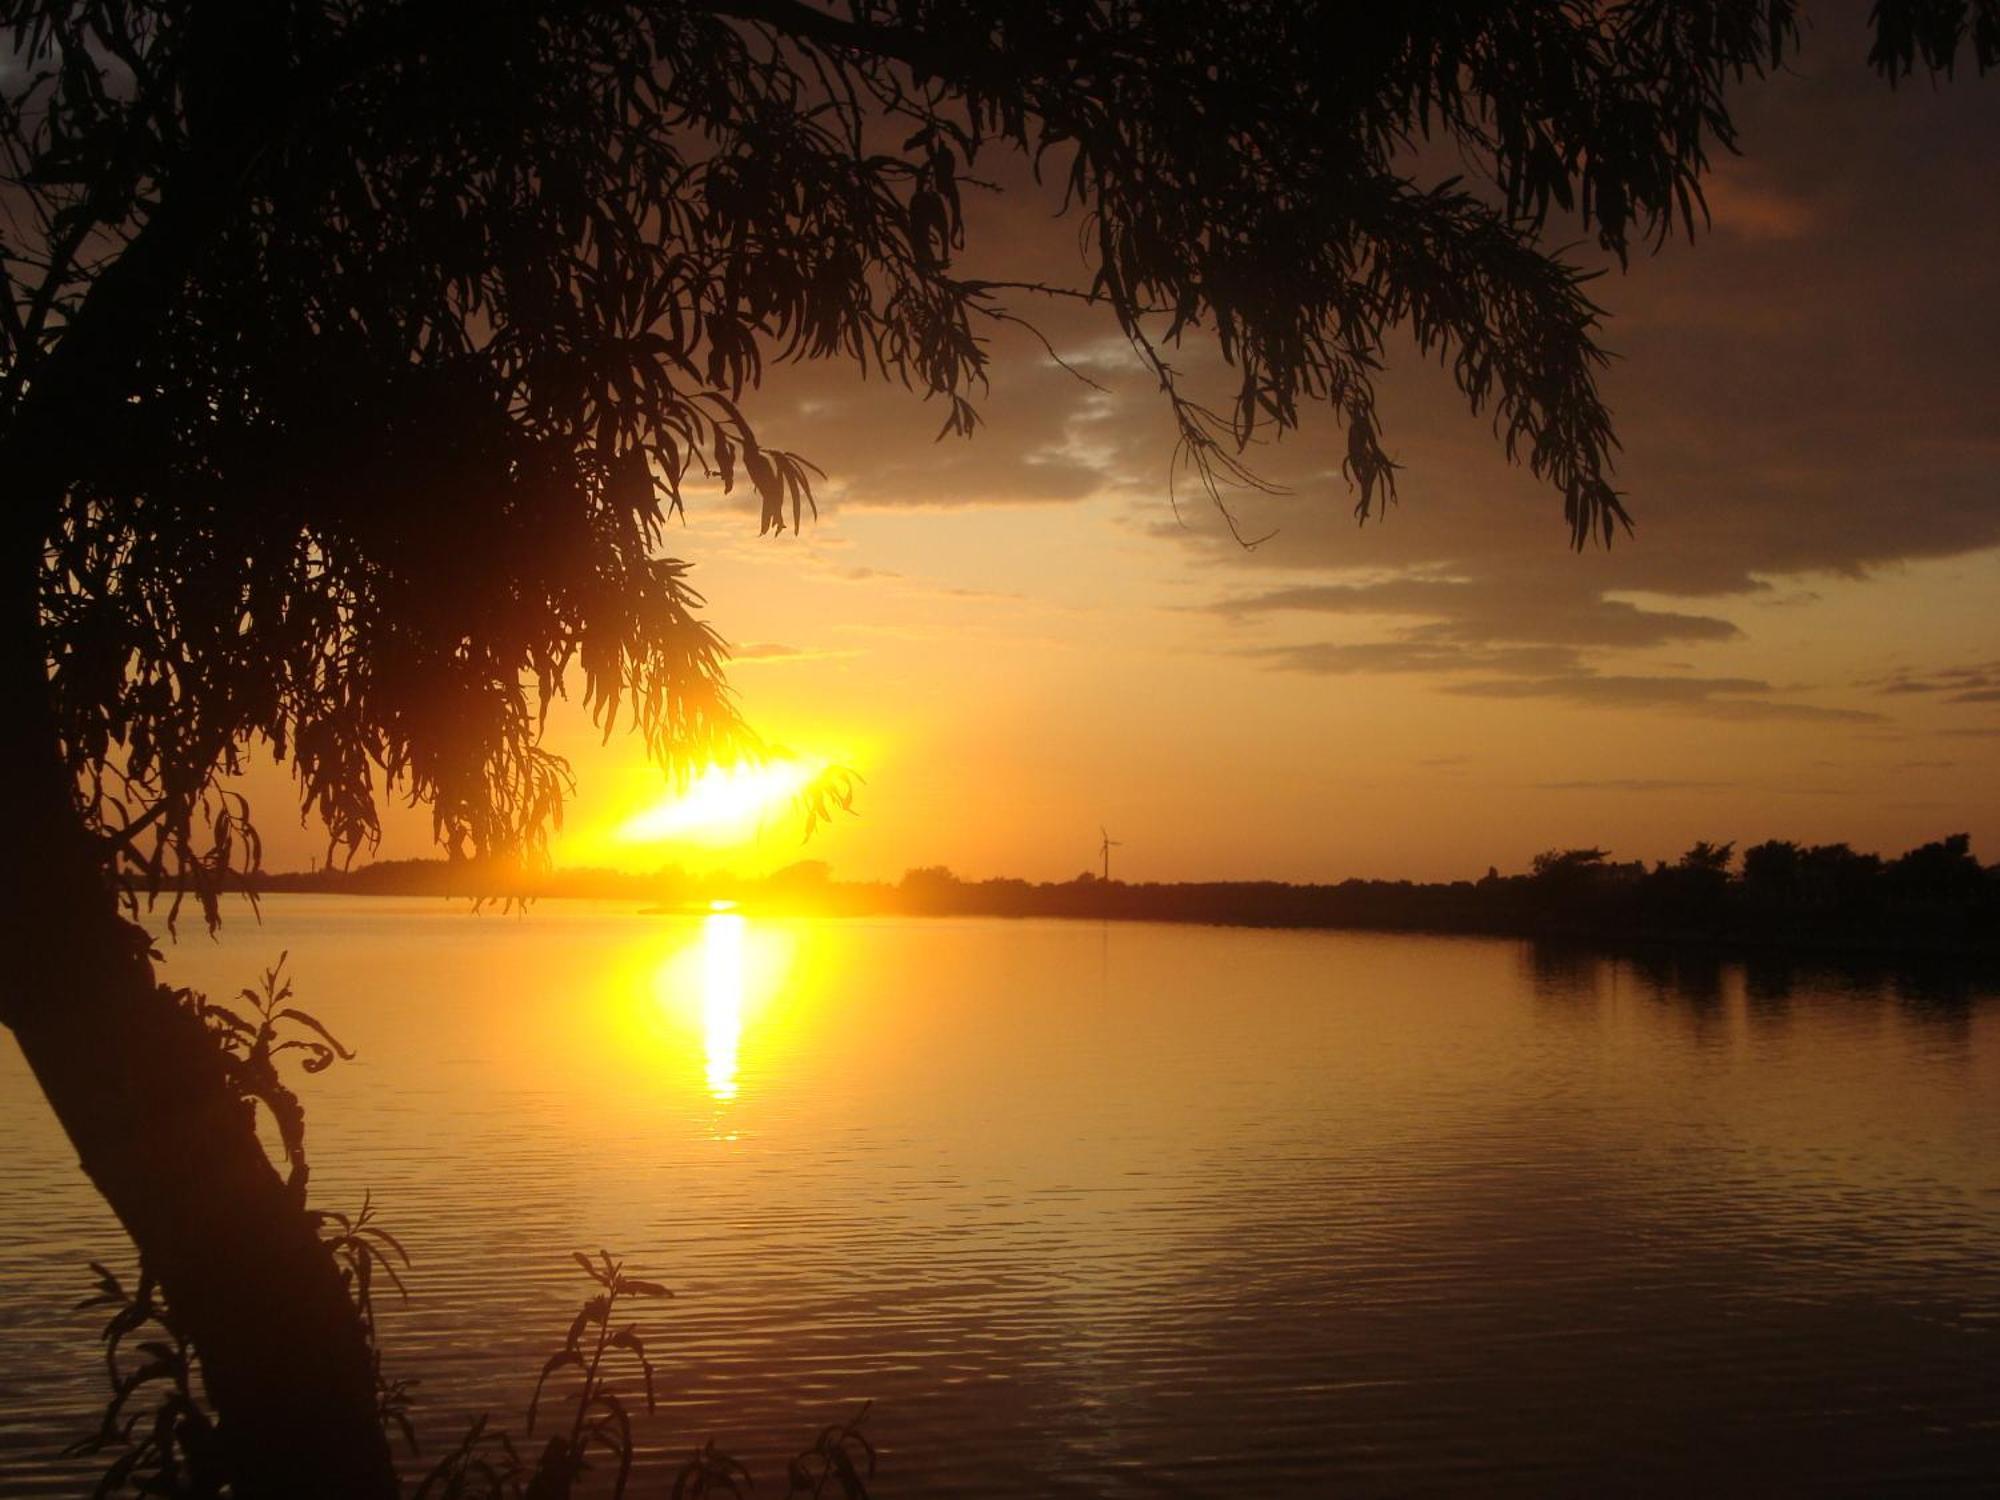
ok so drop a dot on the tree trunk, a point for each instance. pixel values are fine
(140, 1089)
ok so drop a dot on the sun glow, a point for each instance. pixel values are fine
(724, 804)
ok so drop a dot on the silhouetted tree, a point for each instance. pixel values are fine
(1834, 878)
(1771, 871)
(1569, 865)
(353, 354)
(1940, 872)
(1705, 858)
(1689, 895)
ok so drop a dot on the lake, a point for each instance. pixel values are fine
(1128, 1209)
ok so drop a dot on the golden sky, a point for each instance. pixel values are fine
(1015, 640)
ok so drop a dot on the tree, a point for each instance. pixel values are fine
(1709, 860)
(354, 354)
(1943, 872)
(1569, 866)
(1771, 871)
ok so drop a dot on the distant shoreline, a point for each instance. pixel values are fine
(1934, 903)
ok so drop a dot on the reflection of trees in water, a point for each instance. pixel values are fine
(1691, 976)
(1941, 994)
(1565, 971)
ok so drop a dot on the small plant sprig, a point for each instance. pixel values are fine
(601, 1419)
(841, 1456)
(832, 788)
(484, 1466)
(710, 1474)
(250, 1044)
(359, 1246)
(175, 1449)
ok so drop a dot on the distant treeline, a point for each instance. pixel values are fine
(1935, 899)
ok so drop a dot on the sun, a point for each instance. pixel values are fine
(725, 804)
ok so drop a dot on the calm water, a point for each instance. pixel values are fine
(1134, 1210)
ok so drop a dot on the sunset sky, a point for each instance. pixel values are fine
(1014, 640)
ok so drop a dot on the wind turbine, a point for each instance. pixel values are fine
(1105, 849)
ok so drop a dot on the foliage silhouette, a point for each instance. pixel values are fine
(841, 1457)
(354, 355)
(173, 1450)
(601, 1418)
(250, 1047)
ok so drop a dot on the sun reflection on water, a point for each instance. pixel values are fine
(721, 1000)
(720, 990)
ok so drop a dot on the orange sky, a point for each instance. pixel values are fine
(1014, 641)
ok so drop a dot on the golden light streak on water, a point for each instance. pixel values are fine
(722, 936)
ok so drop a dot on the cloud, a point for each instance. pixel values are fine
(1492, 642)
(771, 651)
(1736, 698)
(1554, 672)
(1744, 201)
(1045, 434)
(1459, 609)
(1340, 658)
(1977, 683)
(1630, 784)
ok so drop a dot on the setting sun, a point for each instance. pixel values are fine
(724, 804)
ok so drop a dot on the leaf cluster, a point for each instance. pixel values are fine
(601, 1419)
(362, 1249)
(251, 1039)
(165, 1443)
(841, 1461)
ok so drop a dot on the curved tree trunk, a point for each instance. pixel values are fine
(140, 1089)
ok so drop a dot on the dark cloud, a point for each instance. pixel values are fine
(1549, 671)
(1808, 390)
(1480, 630)
(1487, 610)
(1978, 683)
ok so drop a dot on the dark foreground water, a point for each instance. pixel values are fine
(1134, 1210)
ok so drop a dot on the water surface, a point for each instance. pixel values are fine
(1132, 1210)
